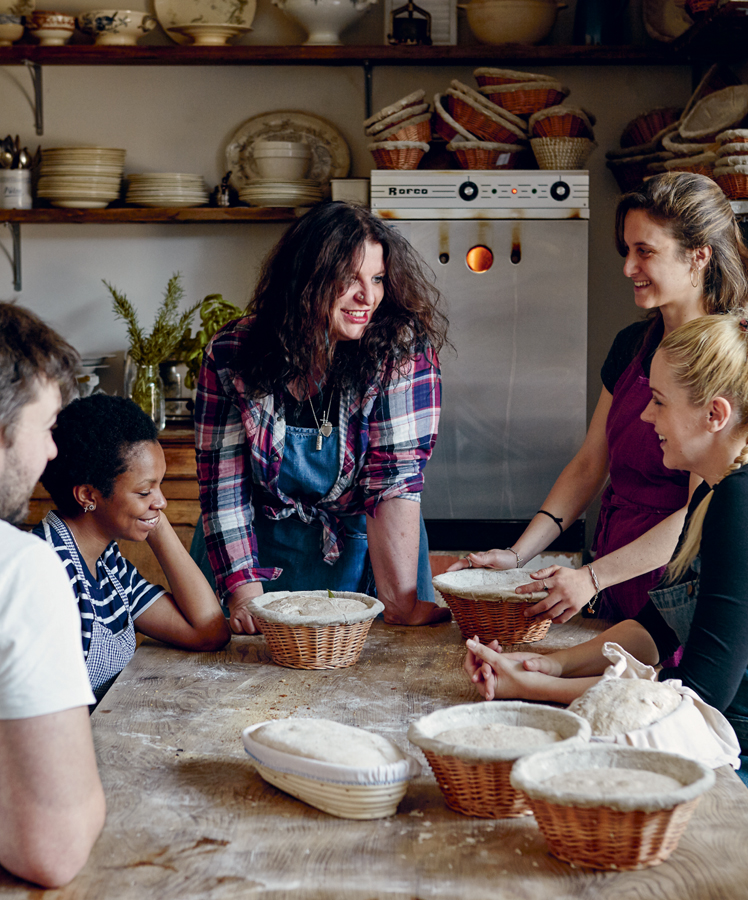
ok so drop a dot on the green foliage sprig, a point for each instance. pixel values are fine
(168, 327)
(215, 312)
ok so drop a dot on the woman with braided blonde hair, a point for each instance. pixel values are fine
(699, 410)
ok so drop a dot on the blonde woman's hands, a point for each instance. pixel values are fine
(568, 591)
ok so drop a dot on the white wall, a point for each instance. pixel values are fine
(179, 119)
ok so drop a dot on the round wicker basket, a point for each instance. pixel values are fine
(644, 128)
(481, 121)
(400, 115)
(416, 129)
(445, 126)
(485, 155)
(325, 642)
(527, 97)
(561, 121)
(398, 154)
(631, 171)
(562, 152)
(482, 604)
(733, 182)
(476, 782)
(411, 100)
(733, 136)
(624, 831)
(487, 76)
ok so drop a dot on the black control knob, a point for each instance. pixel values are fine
(560, 190)
(468, 191)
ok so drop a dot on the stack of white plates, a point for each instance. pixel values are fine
(264, 192)
(81, 177)
(167, 189)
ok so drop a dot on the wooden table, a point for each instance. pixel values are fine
(188, 816)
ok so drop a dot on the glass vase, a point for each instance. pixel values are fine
(148, 392)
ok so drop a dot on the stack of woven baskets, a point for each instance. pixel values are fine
(400, 133)
(731, 164)
(686, 140)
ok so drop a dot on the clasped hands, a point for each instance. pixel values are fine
(505, 676)
(568, 589)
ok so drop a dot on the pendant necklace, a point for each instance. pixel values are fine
(324, 428)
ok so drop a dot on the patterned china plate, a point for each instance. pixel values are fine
(171, 13)
(331, 157)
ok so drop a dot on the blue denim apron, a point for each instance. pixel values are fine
(296, 547)
(677, 605)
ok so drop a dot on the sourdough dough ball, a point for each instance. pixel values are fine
(619, 705)
(307, 605)
(328, 741)
(602, 783)
(497, 736)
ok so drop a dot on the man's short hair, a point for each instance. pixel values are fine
(30, 350)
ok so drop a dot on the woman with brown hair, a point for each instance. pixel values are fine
(316, 414)
(685, 256)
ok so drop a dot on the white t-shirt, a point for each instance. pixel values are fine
(41, 659)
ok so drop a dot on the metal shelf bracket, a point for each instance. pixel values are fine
(35, 70)
(368, 71)
(15, 253)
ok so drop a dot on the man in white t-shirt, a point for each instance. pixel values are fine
(51, 799)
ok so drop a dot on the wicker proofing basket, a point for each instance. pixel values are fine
(562, 152)
(733, 136)
(480, 608)
(398, 154)
(734, 184)
(485, 155)
(416, 129)
(475, 782)
(487, 76)
(646, 127)
(481, 121)
(631, 172)
(561, 121)
(320, 644)
(623, 831)
(527, 97)
(445, 126)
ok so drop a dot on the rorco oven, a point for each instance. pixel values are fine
(508, 250)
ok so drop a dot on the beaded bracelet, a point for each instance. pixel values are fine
(596, 585)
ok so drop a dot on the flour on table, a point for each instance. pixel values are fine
(498, 736)
(328, 741)
(307, 605)
(602, 783)
(619, 705)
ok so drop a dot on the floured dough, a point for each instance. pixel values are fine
(602, 783)
(498, 736)
(328, 741)
(308, 605)
(619, 705)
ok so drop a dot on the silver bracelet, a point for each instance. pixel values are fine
(519, 558)
(596, 585)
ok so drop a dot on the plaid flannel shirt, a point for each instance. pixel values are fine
(385, 440)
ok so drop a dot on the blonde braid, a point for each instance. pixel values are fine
(690, 547)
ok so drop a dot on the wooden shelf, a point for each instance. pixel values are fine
(161, 216)
(350, 55)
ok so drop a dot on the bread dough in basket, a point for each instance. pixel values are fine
(602, 783)
(328, 741)
(619, 705)
(499, 735)
(308, 605)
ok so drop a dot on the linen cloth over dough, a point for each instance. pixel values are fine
(309, 605)
(328, 741)
(617, 705)
(488, 584)
(601, 783)
(499, 735)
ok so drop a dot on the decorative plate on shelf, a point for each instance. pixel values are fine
(331, 157)
(174, 13)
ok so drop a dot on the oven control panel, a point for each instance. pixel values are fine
(473, 193)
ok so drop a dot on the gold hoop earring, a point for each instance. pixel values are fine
(695, 271)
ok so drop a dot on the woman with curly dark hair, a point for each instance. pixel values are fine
(315, 416)
(106, 485)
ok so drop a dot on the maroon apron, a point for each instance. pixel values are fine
(642, 492)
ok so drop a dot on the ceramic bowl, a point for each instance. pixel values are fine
(51, 29)
(507, 21)
(324, 20)
(111, 27)
(282, 168)
(11, 29)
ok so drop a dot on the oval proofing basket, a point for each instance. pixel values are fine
(475, 598)
(475, 782)
(348, 792)
(317, 643)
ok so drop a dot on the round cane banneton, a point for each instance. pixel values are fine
(328, 639)
(475, 780)
(615, 814)
(483, 602)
